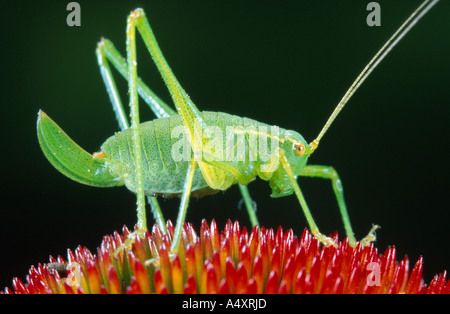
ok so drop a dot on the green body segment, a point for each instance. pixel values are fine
(163, 174)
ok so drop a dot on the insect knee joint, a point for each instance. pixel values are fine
(137, 14)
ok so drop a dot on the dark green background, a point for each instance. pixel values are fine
(286, 64)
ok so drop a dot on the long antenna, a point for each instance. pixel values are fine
(398, 35)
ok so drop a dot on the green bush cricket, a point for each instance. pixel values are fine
(142, 155)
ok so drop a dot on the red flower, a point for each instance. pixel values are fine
(230, 261)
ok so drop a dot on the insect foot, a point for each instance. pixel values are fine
(156, 262)
(370, 237)
(128, 243)
(327, 241)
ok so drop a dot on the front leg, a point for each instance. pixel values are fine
(330, 173)
(293, 182)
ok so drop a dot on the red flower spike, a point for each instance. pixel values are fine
(279, 240)
(204, 232)
(32, 289)
(209, 280)
(246, 259)
(68, 289)
(164, 261)
(227, 261)
(258, 273)
(235, 237)
(170, 229)
(270, 242)
(206, 244)
(440, 284)
(272, 283)
(190, 264)
(289, 245)
(158, 281)
(254, 242)
(241, 278)
(333, 283)
(437, 284)
(94, 279)
(191, 286)
(225, 252)
(217, 267)
(227, 229)
(252, 287)
(415, 280)
(125, 232)
(314, 273)
(215, 236)
(288, 273)
(279, 236)
(198, 259)
(355, 282)
(303, 283)
(400, 277)
(140, 248)
(446, 289)
(118, 240)
(264, 256)
(275, 262)
(230, 274)
(224, 288)
(134, 287)
(177, 276)
(405, 271)
(387, 269)
(70, 257)
(244, 235)
(104, 258)
(141, 277)
(167, 240)
(164, 290)
(157, 235)
(325, 257)
(204, 226)
(51, 278)
(335, 237)
(153, 248)
(192, 235)
(114, 282)
(305, 238)
(300, 260)
(282, 289)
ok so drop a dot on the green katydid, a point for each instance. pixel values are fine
(141, 156)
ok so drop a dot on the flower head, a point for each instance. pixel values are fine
(230, 261)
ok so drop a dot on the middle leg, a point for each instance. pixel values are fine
(187, 110)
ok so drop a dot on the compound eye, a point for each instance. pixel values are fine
(299, 149)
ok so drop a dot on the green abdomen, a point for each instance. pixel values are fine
(164, 174)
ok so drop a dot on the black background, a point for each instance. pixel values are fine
(283, 63)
